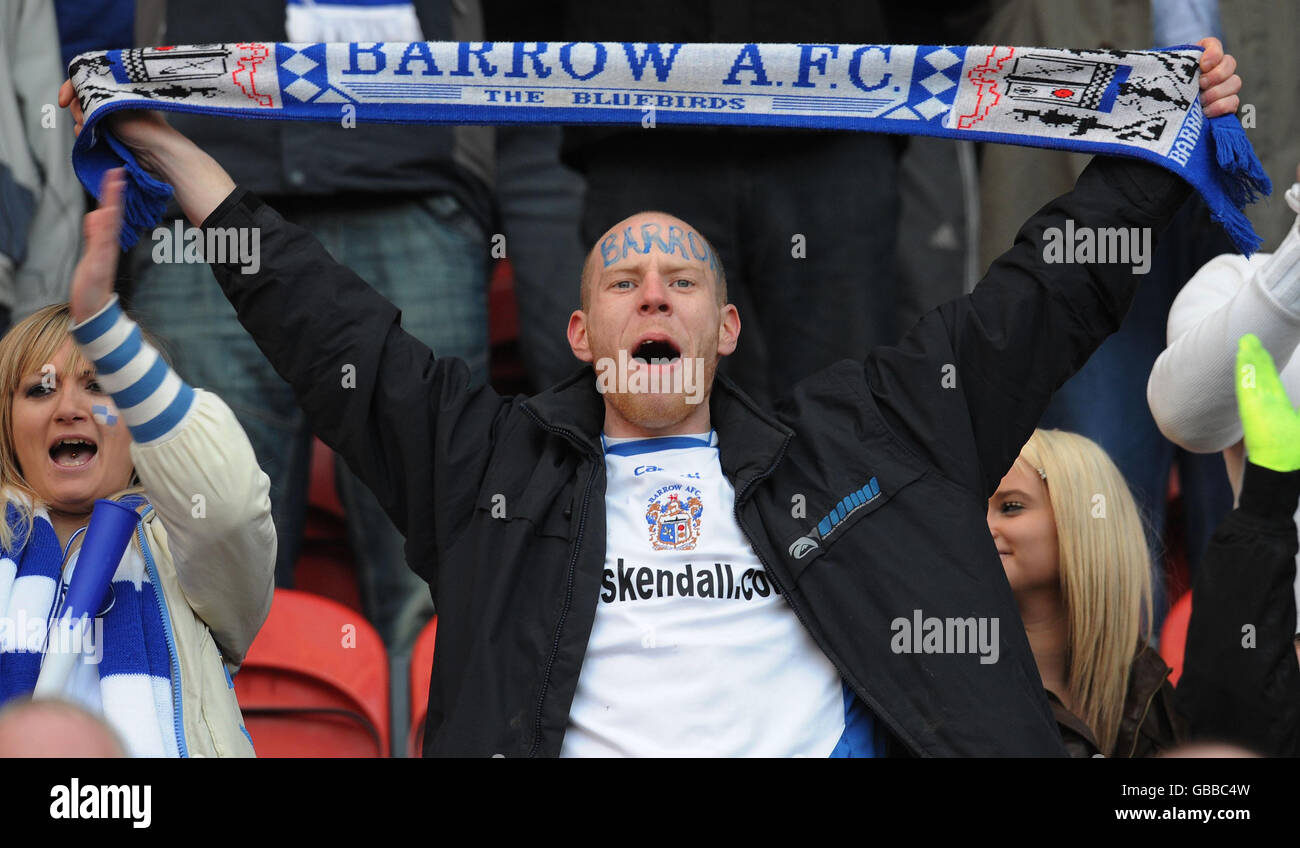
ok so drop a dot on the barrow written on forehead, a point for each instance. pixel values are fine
(615, 246)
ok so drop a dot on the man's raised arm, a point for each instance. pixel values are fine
(199, 181)
(967, 385)
(406, 423)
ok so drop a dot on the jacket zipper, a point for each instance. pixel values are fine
(1137, 732)
(859, 691)
(572, 571)
(178, 711)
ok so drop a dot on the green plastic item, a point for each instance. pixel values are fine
(1271, 424)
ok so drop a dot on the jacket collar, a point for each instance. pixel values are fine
(1144, 713)
(1146, 678)
(1078, 737)
(750, 440)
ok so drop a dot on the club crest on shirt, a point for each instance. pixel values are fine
(674, 515)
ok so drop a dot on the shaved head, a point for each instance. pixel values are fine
(646, 231)
(654, 322)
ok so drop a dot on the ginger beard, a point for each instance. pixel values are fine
(653, 323)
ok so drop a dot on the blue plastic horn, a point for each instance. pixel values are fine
(111, 526)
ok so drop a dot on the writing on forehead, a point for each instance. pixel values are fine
(616, 246)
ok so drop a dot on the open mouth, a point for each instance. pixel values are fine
(73, 452)
(656, 352)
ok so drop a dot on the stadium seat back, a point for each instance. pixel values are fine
(315, 682)
(1173, 636)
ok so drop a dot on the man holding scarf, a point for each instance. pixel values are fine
(740, 588)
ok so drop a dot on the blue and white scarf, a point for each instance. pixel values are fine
(1144, 104)
(125, 672)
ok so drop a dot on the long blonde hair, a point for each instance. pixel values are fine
(1105, 573)
(30, 344)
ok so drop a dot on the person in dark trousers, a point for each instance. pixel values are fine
(643, 560)
(1241, 674)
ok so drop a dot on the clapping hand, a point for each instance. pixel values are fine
(92, 281)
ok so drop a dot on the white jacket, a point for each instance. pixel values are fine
(1191, 390)
(212, 541)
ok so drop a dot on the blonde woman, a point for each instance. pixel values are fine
(90, 410)
(1071, 542)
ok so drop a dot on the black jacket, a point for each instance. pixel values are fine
(936, 421)
(1237, 685)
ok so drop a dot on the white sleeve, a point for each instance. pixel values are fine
(214, 502)
(1191, 391)
(201, 475)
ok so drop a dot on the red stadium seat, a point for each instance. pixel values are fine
(1176, 573)
(315, 682)
(322, 494)
(325, 563)
(508, 375)
(1173, 635)
(421, 672)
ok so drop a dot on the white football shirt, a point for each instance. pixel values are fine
(693, 651)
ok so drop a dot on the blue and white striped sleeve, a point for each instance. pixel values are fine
(152, 398)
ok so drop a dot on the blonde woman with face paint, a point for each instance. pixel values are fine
(89, 411)
(1071, 541)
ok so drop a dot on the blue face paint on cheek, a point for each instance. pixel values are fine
(103, 416)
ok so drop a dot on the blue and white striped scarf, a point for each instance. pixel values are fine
(1139, 103)
(125, 673)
